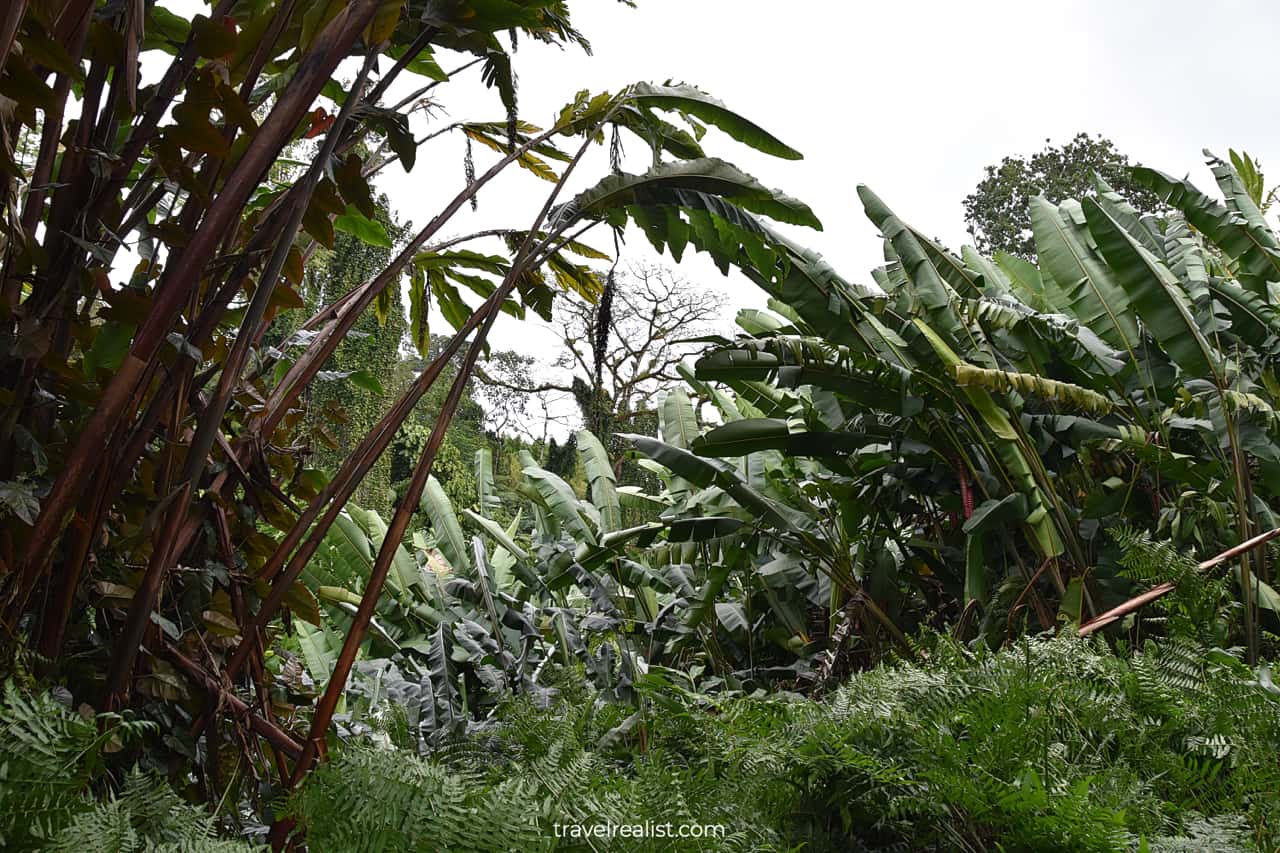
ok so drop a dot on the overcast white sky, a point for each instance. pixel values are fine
(912, 97)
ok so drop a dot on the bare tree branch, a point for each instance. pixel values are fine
(654, 310)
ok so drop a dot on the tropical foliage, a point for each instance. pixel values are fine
(1048, 745)
(960, 442)
(972, 556)
(998, 213)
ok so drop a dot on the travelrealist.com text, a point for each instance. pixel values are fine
(648, 829)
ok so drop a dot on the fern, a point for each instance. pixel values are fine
(1197, 605)
(147, 816)
(47, 758)
(51, 764)
(1055, 744)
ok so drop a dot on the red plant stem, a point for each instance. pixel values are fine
(391, 541)
(278, 22)
(233, 367)
(339, 490)
(167, 550)
(181, 279)
(9, 27)
(49, 140)
(966, 490)
(238, 611)
(274, 735)
(144, 601)
(69, 17)
(79, 542)
(1117, 613)
(400, 520)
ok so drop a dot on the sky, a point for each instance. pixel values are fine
(911, 97)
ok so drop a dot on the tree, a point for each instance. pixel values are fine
(517, 405)
(651, 314)
(997, 213)
(346, 399)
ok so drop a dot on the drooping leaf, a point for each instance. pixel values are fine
(1030, 383)
(705, 472)
(710, 176)
(694, 102)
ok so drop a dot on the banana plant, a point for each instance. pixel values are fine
(477, 609)
(982, 422)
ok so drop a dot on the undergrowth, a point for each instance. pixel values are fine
(1053, 744)
(1048, 745)
(55, 793)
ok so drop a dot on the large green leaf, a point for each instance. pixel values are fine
(705, 472)
(499, 535)
(993, 280)
(364, 229)
(1154, 293)
(694, 102)
(792, 362)
(1252, 250)
(1252, 317)
(1242, 203)
(634, 497)
(752, 435)
(444, 523)
(558, 497)
(1126, 214)
(486, 488)
(1029, 285)
(1092, 294)
(678, 423)
(659, 186)
(993, 514)
(319, 651)
(353, 552)
(600, 480)
(930, 292)
(404, 570)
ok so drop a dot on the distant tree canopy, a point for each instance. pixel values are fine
(996, 211)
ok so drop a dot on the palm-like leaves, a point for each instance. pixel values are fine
(973, 398)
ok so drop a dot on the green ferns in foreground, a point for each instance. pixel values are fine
(1048, 745)
(1051, 744)
(52, 766)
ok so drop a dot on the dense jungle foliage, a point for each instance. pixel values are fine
(977, 555)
